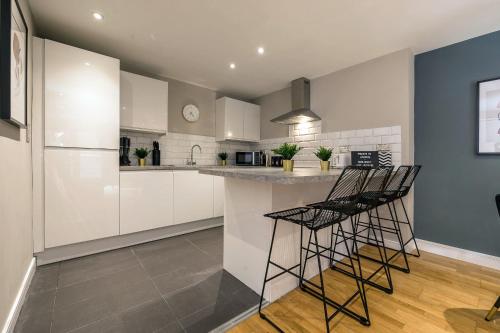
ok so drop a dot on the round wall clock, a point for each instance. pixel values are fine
(191, 113)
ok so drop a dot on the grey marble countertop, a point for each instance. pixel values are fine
(276, 175)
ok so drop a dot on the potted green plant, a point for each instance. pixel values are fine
(141, 154)
(287, 151)
(324, 155)
(223, 158)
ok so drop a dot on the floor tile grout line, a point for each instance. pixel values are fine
(198, 248)
(113, 314)
(156, 287)
(92, 278)
(52, 312)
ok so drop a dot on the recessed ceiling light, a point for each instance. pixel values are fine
(97, 16)
(232, 65)
(260, 50)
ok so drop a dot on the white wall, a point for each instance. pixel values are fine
(16, 245)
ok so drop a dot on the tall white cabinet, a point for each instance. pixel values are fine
(237, 120)
(143, 103)
(81, 163)
(81, 195)
(82, 98)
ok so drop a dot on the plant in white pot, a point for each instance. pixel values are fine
(287, 151)
(324, 155)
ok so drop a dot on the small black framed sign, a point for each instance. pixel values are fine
(13, 63)
(488, 135)
(365, 158)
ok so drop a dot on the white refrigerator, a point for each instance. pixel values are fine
(81, 139)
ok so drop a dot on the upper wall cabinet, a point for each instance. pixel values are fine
(81, 98)
(143, 103)
(237, 120)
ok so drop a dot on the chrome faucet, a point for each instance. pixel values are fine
(191, 161)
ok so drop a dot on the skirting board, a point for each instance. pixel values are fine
(101, 245)
(11, 320)
(460, 254)
(472, 257)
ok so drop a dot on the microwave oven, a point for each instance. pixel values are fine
(250, 158)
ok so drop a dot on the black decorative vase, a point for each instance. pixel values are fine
(156, 157)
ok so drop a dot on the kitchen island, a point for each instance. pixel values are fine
(249, 194)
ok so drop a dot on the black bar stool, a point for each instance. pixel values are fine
(344, 193)
(387, 195)
(369, 199)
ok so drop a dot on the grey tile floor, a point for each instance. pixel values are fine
(172, 285)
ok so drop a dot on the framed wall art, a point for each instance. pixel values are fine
(13, 63)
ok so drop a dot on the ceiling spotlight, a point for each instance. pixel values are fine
(232, 65)
(260, 50)
(97, 16)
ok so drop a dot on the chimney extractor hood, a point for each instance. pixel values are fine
(301, 105)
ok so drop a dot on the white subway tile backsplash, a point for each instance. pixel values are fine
(347, 134)
(323, 136)
(333, 135)
(396, 130)
(301, 138)
(175, 147)
(391, 139)
(364, 132)
(372, 140)
(355, 141)
(382, 131)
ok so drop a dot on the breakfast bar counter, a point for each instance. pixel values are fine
(249, 194)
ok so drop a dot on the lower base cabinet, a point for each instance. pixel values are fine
(155, 199)
(193, 196)
(146, 200)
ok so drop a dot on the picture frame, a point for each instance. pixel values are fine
(14, 36)
(488, 117)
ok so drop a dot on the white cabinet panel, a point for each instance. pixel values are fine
(81, 195)
(81, 98)
(251, 122)
(234, 120)
(218, 196)
(146, 200)
(237, 120)
(143, 103)
(193, 196)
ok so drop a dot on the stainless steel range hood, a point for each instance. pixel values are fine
(301, 105)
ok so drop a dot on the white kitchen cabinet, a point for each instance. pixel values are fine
(146, 200)
(81, 195)
(193, 196)
(218, 196)
(143, 103)
(237, 120)
(81, 98)
(251, 122)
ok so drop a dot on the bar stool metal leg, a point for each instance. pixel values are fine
(493, 310)
(318, 256)
(261, 314)
(397, 228)
(359, 282)
(410, 227)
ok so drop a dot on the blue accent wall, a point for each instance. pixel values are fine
(454, 192)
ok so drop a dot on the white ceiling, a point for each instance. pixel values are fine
(195, 40)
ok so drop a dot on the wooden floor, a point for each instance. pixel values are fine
(439, 295)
